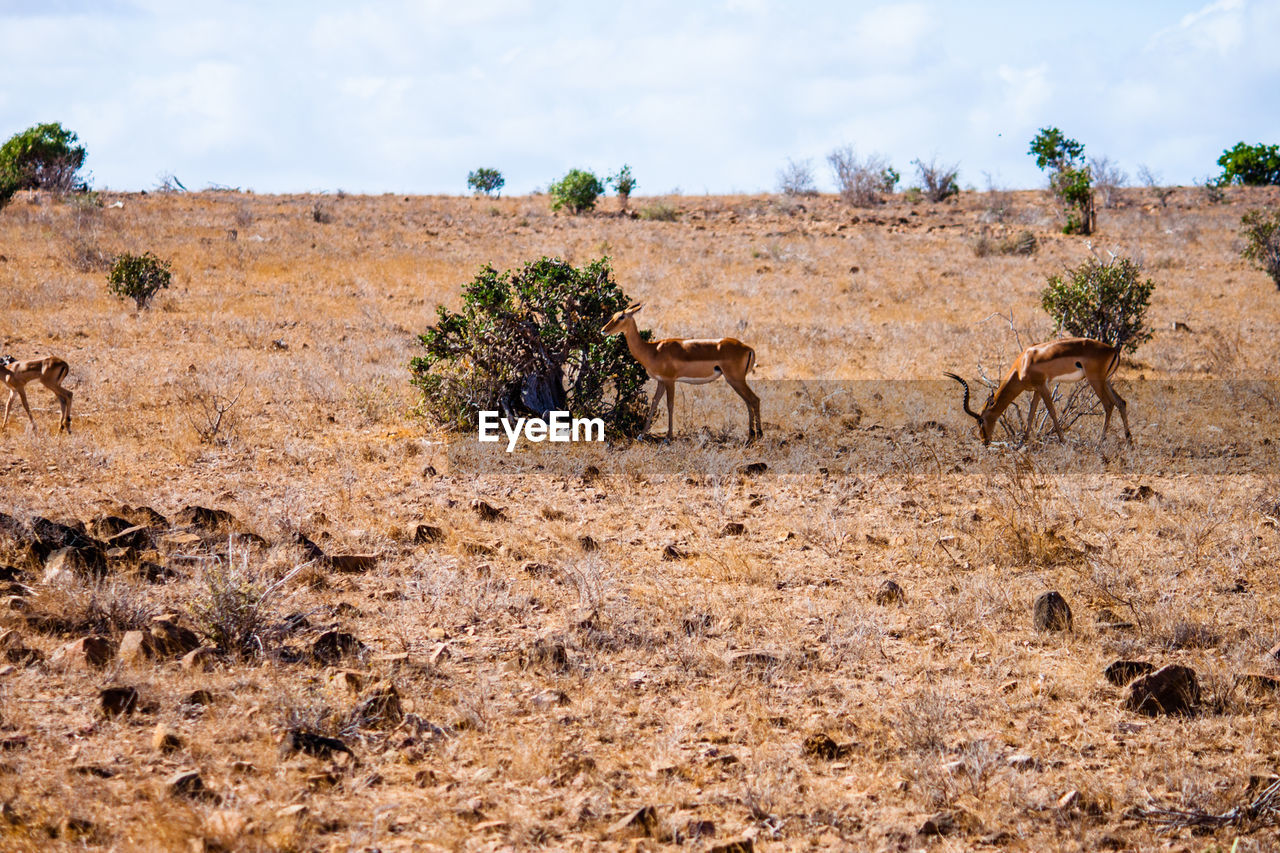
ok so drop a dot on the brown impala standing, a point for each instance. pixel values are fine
(697, 362)
(50, 371)
(1067, 360)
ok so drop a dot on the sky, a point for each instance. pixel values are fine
(697, 97)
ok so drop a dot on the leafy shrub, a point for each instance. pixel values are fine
(578, 191)
(1105, 301)
(797, 178)
(938, 182)
(42, 157)
(530, 341)
(1252, 165)
(138, 277)
(229, 608)
(1261, 232)
(1070, 180)
(623, 183)
(486, 181)
(862, 183)
(659, 211)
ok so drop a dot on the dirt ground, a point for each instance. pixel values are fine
(630, 647)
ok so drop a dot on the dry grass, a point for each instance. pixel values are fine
(547, 691)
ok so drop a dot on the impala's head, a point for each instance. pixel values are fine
(986, 423)
(617, 321)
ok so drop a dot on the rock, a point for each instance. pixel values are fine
(310, 550)
(641, 823)
(66, 565)
(1138, 493)
(353, 563)
(190, 785)
(550, 698)
(211, 520)
(170, 640)
(135, 648)
(822, 745)
(1052, 613)
(91, 651)
(752, 468)
(672, 551)
(315, 745)
(741, 845)
(201, 659)
(547, 652)
(426, 533)
(144, 515)
(75, 829)
(749, 658)
(165, 739)
(331, 646)
(1274, 653)
(199, 698)
(153, 572)
(487, 511)
(588, 544)
(136, 538)
(942, 823)
(733, 528)
(1022, 762)
(1173, 689)
(529, 567)
(15, 650)
(890, 592)
(350, 679)
(118, 700)
(1121, 672)
(109, 525)
(379, 707)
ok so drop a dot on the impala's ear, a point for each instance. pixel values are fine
(634, 307)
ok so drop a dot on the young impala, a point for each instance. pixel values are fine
(675, 360)
(1067, 360)
(49, 371)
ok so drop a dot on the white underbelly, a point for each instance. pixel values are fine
(699, 380)
(1074, 376)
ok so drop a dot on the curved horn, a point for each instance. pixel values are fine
(968, 411)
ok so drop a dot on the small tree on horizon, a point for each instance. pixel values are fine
(138, 277)
(577, 190)
(1250, 165)
(623, 183)
(45, 157)
(486, 181)
(1070, 180)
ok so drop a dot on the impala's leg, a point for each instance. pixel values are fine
(1043, 390)
(64, 404)
(753, 404)
(653, 406)
(1099, 386)
(7, 404)
(1031, 415)
(670, 386)
(1123, 407)
(22, 396)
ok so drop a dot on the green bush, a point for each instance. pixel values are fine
(1104, 301)
(138, 277)
(1070, 179)
(1261, 232)
(577, 191)
(1252, 165)
(42, 157)
(8, 186)
(530, 341)
(623, 183)
(486, 181)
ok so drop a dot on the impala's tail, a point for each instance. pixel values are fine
(60, 372)
(1114, 363)
(751, 359)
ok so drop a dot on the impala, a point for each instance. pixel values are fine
(50, 371)
(694, 361)
(1067, 360)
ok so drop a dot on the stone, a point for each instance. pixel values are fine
(427, 533)
(313, 744)
(165, 739)
(199, 697)
(890, 592)
(672, 551)
(1051, 613)
(212, 520)
(1022, 762)
(92, 651)
(332, 646)
(201, 659)
(1173, 689)
(733, 528)
(379, 707)
(171, 640)
(644, 822)
(352, 563)
(822, 745)
(189, 784)
(1121, 672)
(588, 544)
(487, 511)
(741, 845)
(118, 700)
(135, 648)
(942, 823)
(752, 468)
(65, 566)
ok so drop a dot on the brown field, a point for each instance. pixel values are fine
(751, 689)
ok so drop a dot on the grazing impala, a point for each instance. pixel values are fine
(694, 361)
(1067, 360)
(50, 371)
